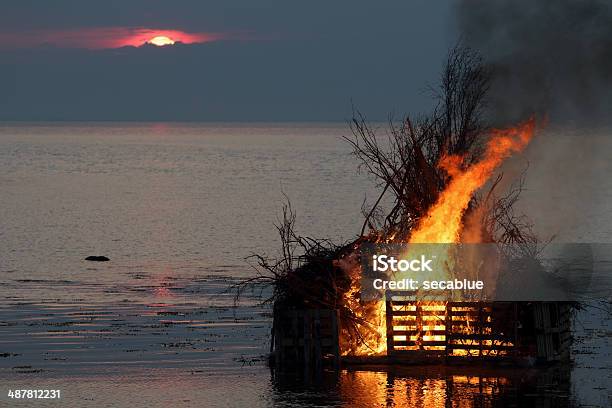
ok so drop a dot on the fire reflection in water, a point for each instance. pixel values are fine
(431, 387)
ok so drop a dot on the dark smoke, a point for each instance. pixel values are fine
(551, 58)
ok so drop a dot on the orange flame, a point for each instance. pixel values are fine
(443, 223)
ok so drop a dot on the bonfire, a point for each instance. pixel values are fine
(438, 176)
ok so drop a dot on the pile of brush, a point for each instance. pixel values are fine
(318, 274)
(309, 274)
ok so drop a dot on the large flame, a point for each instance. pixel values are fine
(443, 223)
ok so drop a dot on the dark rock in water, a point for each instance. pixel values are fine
(97, 258)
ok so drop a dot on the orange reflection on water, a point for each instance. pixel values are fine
(431, 390)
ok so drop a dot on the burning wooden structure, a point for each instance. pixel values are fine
(517, 332)
(434, 169)
(507, 333)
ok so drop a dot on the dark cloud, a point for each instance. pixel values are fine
(301, 61)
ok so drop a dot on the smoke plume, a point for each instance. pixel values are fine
(552, 58)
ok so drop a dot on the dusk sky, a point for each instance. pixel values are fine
(236, 60)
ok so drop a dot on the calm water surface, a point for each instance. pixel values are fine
(177, 208)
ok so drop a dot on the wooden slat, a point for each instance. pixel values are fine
(469, 313)
(403, 313)
(392, 293)
(408, 331)
(415, 332)
(469, 304)
(399, 343)
(477, 336)
(400, 313)
(407, 302)
(389, 321)
(477, 347)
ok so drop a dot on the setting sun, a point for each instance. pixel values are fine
(161, 40)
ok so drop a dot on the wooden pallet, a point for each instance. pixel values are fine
(553, 330)
(476, 330)
(305, 338)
